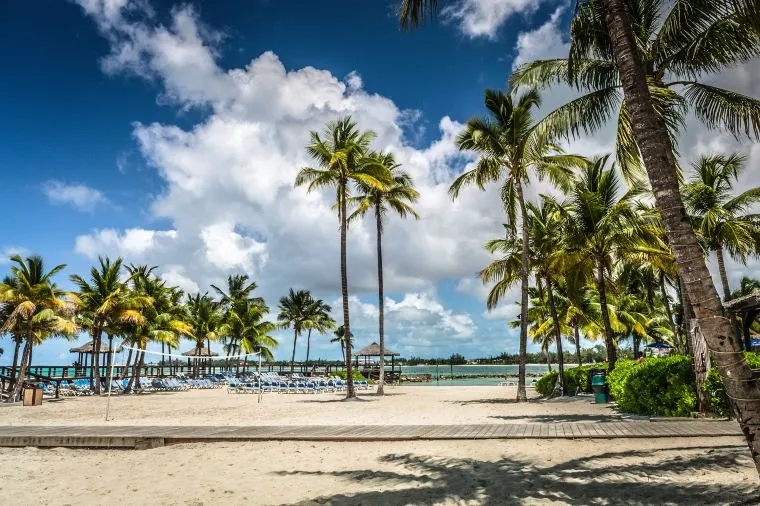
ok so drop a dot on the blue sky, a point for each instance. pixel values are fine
(170, 133)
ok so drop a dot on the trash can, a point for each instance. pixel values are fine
(599, 387)
(33, 395)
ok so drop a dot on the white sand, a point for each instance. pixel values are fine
(402, 405)
(631, 471)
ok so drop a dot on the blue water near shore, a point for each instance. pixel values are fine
(469, 370)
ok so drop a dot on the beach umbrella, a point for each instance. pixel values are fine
(659, 345)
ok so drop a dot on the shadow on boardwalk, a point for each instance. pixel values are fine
(606, 478)
(559, 418)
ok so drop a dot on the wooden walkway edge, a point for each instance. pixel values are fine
(141, 437)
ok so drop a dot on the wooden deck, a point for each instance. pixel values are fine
(142, 437)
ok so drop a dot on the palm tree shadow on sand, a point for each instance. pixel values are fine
(600, 479)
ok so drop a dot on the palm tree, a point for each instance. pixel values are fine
(340, 155)
(718, 216)
(606, 27)
(603, 226)
(319, 319)
(510, 147)
(294, 312)
(396, 197)
(340, 337)
(106, 302)
(235, 303)
(6, 310)
(255, 332)
(679, 43)
(38, 309)
(206, 320)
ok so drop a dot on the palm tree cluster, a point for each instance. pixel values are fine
(365, 181)
(644, 62)
(133, 304)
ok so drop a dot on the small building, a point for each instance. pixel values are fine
(748, 309)
(85, 352)
(204, 355)
(368, 362)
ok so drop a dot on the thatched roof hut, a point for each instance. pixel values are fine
(88, 348)
(202, 352)
(373, 350)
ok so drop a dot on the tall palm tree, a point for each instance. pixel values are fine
(206, 320)
(603, 226)
(606, 27)
(319, 319)
(679, 43)
(719, 217)
(397, 197)
(255, 332)
(106, 302)
(340, 155)
(510, 147)
(17, 335)
(38, 309)
(294, 312)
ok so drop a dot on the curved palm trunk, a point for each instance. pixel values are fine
(25, 355)
(577, 334)
(344, 289)
(521, 394)
(653, 140)
(127, 364)
(293, 357)
(16, 349)
(548, 358)
(669, 312)
(109, 360)
(96, 360)
(380, 302)
(609, 335)
(308, 345)
(723, 274)
(559, 386)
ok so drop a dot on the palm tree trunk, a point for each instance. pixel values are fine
(197, 362)
(16, 349)
(293, 357)
(521, 394)
(127, 364)
(609, 335)
(636, 346)
(669, 311)
(653, 141)
(723, 274)
(577, 344)
(559, 386)
(109, 359)
(548, 358)
(96, 360)
(380, 302)
(350, 393)
(308, 345)
(24, 364)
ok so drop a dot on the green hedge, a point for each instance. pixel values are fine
(655, 386)
(577, 380)
(717, 401)
(358, 376)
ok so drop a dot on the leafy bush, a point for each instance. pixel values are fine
(717, 400)
(656, 386)
(545, 385)
(358, 376)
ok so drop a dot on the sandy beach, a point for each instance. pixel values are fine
(402, 405)
(633, 472)
(485, 472)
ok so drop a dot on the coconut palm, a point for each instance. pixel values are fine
(255, 332)
(106, 303)
(510, 148)
(340, 155)
(606, 28)
(679, 44)
(206, 320)
(319, 319)
(397, 197)
(603, 226)
(340, 338)
(721, 219)
(17, 336)
(294, 312)
(235, 301)
(38, 309)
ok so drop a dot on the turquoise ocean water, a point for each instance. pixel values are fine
(469, 370)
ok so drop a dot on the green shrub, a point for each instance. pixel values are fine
(717, 400)
(656, 386)
(545, 386)
(616, 380)
(358, 376)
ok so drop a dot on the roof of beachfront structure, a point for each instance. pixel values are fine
(202, 352)
(87, 348)
(751, 301)
(373, 350)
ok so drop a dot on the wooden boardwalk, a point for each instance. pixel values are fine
(121, 436)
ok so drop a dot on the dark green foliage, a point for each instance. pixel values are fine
(717, 401)
(577, 380)
(656, 386)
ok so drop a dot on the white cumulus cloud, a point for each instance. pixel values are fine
(77, 195)
(483, 18)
